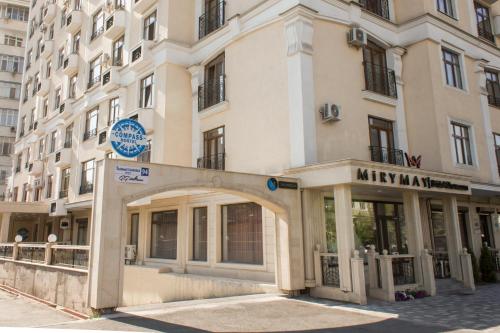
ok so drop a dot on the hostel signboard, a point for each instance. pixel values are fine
(131, 175)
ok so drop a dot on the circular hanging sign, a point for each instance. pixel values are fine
(128, 138)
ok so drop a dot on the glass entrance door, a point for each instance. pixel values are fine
(486, 230)
(439, 244)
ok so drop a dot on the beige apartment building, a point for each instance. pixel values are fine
(348, 149)
(13, 26)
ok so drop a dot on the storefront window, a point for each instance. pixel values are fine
(331, 232)
(242, 234)
(164, 235)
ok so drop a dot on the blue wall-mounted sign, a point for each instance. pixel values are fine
(128, 138)
(272, 184)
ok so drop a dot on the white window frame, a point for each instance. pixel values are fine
(463, 70)
(472, 139)
(454, 5)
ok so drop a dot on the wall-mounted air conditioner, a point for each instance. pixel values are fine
(357, 37)
(330, 112)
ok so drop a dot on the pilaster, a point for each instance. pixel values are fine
(395, 62)
(196, 81)
(453, 238)
(5, 227)
(413, 219)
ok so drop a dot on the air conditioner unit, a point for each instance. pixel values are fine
(64, 223)
(357, 37)
(330, 112)
(130, 253)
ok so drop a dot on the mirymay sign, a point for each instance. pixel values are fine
(409, 180)
(131, 175)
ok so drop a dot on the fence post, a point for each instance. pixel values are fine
(317, 267)
(358, 277)
(428, 273)
(48, 253)
(372, 268)
(467, 273)
(386, 276)
(15, 251)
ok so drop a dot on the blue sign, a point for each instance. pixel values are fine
(128, 138)
(272, 184)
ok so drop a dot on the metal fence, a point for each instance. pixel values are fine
(380, 79)
(330, 269)
(386, 155)
(31, 253)
(403, 270)
(211, 93)
(70, 256)
(212, 19)
(6, 250)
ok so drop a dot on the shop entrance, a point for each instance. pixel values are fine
(486, 230)
(439, 244)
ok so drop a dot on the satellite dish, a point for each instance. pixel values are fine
(18, 238)
(52, 238)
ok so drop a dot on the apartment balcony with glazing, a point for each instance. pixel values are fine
(146, 117)
(140, 6)
(103, 142)
(35, 168)
(70, 64)
(43, 88)
(141, 56)
(65, 109)
(49, 13)
(110, 79)
(47, 48)
(115, 24)
(39, 128)
(74, 21)
(62, 158)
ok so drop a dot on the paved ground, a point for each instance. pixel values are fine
(454, 313)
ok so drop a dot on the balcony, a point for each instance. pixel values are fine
(35, 168)
(140, 6)
(47, 49)
(58, 208)
(216, 162)
(211, 93)
(386, 155)
(485, 31)
(49, 13)
(86, 188)
(146, 117)
(89, 134)
(39, 128)
(115, 24)
(380, 79)
(65, 109)
(211, 20)
(377, 7)
(43, 88)
(494, 101)
(141, 56)
(62, 158)
(111, 79)
(103, 142)
(70, 64)
(74, 21)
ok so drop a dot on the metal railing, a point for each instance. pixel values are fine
(70, 256)
(86, 188)
(96, 33)
(380, 79)
(106, 77)
(102, 137)
(31, 253)
(6, 251)
(89, 134)
(377, 7)
(93, 81)
(63, 194)
(403, 270)
(212, 20)
(110, 21)
(216, 162)
(441, 265)
(386, 155)
(137, 53)
(484, 30)
(494, 100)
(212, 93)
(330, 269)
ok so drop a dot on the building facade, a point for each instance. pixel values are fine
(382, 117)
(13, 27)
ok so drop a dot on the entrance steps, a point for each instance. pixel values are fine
(450, 287)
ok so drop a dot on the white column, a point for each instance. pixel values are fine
(4, 228)
(395, 62)
(485, 112)
(196, 80)
(313, 230)
(413, 220)
(345, 233)
(453, 238)
(302, 119)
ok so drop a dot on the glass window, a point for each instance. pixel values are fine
(200, 227)
(81, 235)
(493, 87)
(65, 178)
(462, 143)
(97, 24)
(6, 145)
(331, 230)
(91, 124)
(41, 148)
(496, 137)
(149, 27)
(63, 17)
(114, 110)
(48, 69)
(53, 137)
(13, 64)
(14, 12)
(118, 51)
(146, 98)
(72, 86)
(95, 71)
(51, 32)
(145, 156)
(45, 107)
(57, 99)
(13, 41)
(8, 117)
(446, 7)
(242, 234)
(452, 69)
(60, 57)
(134, 229)
(87, 181)
(164, 235)
(76, 42)
(484, 29)
(68, 136)
(10, 90)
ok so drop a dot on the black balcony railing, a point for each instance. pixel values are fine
(212, 19)
(31, 254)
(403, 271)
(216, 162)
(377, 7)
(86, 188)
(137, 53)
(380, 79)
(69, 18)
(58, 156)
(62, 107)
(93, 81)
(441, 265)
(386, 155)
(65, 63)
(74, 258)
(106, 77)
(211, 93)
(102, 137)
(494, 100)
(96, 33)
(89, 134)
(484, 30)
(110, 21)
(63, 194)
(67, 144)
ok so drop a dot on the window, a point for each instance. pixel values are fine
(493, 87)
(87, 181)
(149, 27)
(23, 126)
(331, 230)
(75, 48)
(48, 69)
(483, 22)
(6, 145)
(12, 64)
(146, 98)
(95, 72)
(212, 91)
(377, 7)
(3, 177)
(53, 137)
(10, 90)
(97, 24)
(50, 180)
(15, 191)
(242, 234)
(446, 7)
(213, 150)
(41, 148)
(60, 57)
(134, 229)
(13, 41)
(29, 56)
(25, 193)
(91, 124)
(114, 110)
(462, 143)
(81, 233)
(78, 5)
(68, 136)
(45, 107)
(65, 178)
(8, 117)
(496, 138)
(57, 98)
(51, 32)
(452, 69)
(164, 235)
(63, 17)
(72, 86)
(38, 48)
(213, 18)
(14, 12)
(145, 156)
(378, 78)
(200, 234)
(118, 51)
(382, 146)
(36, 83)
